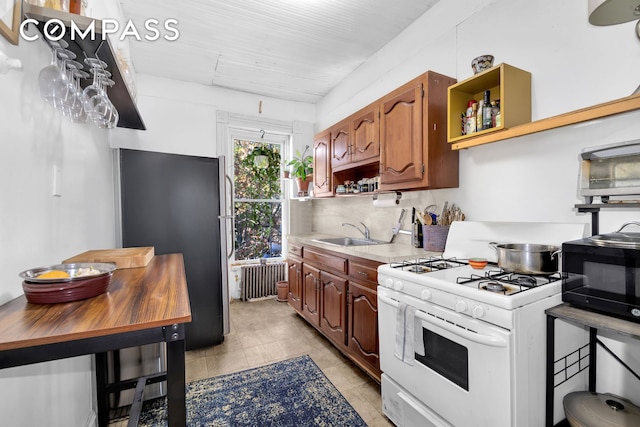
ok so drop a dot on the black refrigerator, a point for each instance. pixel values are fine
(179, 203)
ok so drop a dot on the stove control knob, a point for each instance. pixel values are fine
(461, 306)
(478, 311)
(398, 285)
(426, 294)
(388, 283)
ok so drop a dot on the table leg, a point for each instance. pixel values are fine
(101, 389)
(550, 369)
(593, 344)
(177, 412)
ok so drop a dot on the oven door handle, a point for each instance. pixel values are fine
(461, 332)
(471, 336)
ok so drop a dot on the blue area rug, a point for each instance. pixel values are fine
(293, 393)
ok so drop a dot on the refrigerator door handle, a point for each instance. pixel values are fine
(231, 216)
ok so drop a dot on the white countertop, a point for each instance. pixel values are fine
(384, 253)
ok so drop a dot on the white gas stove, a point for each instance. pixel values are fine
(489, 294)
(451, 333)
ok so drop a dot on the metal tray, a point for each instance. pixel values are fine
(103, 268)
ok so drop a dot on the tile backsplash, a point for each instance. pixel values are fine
(329, 214)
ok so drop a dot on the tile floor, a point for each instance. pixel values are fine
(267, 331)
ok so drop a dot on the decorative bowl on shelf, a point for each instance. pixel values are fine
(481, 63)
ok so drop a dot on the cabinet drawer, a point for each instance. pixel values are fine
(336, 263)
(295, 250)
(363, 272)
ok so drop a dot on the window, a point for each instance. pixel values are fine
(257, 199)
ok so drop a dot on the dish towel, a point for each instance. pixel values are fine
(405, 333)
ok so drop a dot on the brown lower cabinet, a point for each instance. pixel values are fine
(337, 295)
(294, 261)
(311, 293)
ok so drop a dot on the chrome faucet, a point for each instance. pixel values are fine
(365, 233)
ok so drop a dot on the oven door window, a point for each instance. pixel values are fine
(447, 358)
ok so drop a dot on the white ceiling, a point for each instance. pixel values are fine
(290, 49)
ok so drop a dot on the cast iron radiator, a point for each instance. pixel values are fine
(260, 280)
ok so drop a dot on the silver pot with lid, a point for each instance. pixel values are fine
(587, 409)
(527, 258)
(620, 238)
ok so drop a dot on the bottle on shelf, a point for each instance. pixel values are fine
(470, 119)
(75, 6)
(473, 121)
(486, 111)
(495, 113)
(497, 120)
(479, 115)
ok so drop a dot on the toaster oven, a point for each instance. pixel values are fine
(610, 170)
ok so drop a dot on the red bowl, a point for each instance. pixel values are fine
(478, 263)
(57, 292)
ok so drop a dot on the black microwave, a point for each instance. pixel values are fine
(602, 278)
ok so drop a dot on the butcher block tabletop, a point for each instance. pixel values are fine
(136, 299)
(122, 257)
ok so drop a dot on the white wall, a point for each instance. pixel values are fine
(180, 117)
(531, 178)
(40, 229)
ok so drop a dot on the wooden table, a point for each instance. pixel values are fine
(141, 306)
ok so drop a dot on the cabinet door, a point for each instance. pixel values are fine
(363, 325)
(322, 186)
(340, 145)
(311, 293)
(366, 134)
(333, 319)
(401, 151)
(295, 283)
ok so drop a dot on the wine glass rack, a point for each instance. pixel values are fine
(95, 47)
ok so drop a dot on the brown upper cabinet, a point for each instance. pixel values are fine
(340, 144)
(403, 136)
(413, 136)
(365, 129)
(322, 178)
(356, 140)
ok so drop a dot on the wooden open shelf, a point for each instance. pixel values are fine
(618, 106)
(511, 85)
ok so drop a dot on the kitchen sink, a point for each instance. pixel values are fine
(350, 241)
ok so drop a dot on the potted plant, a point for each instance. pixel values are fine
(302, 170)
(259, 157)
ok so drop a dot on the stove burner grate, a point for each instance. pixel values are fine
(508, 283)
(426, 265)
(495, 287)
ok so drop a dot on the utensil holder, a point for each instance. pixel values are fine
(435, 237)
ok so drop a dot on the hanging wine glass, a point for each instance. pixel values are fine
(114, 118)
(51, 79)
(92, 93)
(63, 102)
(74, 110)
(103, 108)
